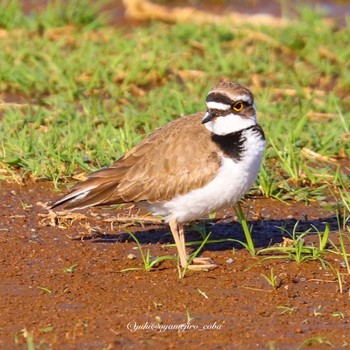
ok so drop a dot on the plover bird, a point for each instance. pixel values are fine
(193, 166)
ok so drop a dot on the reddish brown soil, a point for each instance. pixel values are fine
(97, 307)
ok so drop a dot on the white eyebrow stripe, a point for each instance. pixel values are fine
(244, 98)
(218, 105)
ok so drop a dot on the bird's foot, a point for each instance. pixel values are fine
(202, 261)
(203, 264)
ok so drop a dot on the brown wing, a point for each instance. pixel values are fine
(173, 160)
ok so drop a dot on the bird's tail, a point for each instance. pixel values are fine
(87, 194)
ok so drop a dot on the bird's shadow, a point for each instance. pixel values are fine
(264, 233)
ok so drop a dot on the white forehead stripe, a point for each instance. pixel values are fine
(218, 105)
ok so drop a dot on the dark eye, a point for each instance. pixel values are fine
(238, 106)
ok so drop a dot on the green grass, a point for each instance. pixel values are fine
(183, 271)
(149, 263)
(271, 279)
(79, 13)
(299, 250)
(249, 244)
(315, 340)
(26, 337)
(70, 269)
(90, 93)
(29, 338)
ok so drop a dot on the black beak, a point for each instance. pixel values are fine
(208, 117)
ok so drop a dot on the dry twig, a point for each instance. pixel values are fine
(316, 156)
(146, 10)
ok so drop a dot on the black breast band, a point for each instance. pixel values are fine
(232, 144)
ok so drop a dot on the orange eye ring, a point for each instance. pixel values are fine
(238, 106)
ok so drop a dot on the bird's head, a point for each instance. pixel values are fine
(230, 108)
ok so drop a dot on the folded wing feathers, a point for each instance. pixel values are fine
(150, 171)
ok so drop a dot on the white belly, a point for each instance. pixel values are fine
(233, 180)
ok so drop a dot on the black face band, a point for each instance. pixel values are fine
(219, 98)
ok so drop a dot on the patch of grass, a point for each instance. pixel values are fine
(339, 314)
(70, 269)
(46, 290)
(28, 336)
(80, 13)
(58, 13)
(317, 311)
(297, 249)
(182, 272)
(102, 91)
(286, 309)
(147, 260)
(189, 318)
(314, 340)
(340, 282)
(341, 249)
(249, 245)
(272, 279)
(343, 208)
(47, 329)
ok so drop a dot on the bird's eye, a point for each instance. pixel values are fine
(238, 106)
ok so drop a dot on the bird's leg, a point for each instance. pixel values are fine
(199, 261)
(182, 238)
(179, 241)
(179, 237)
